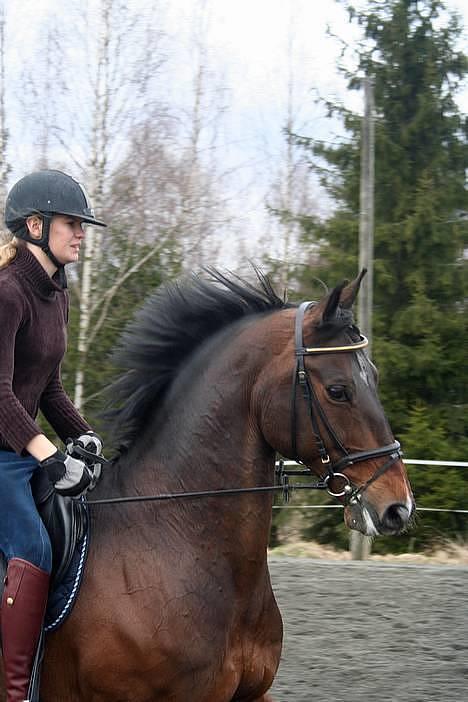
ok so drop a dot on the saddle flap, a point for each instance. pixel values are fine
(65, 521)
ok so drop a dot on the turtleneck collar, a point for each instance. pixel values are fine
(29, 267)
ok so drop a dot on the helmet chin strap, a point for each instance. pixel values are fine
(43, 243)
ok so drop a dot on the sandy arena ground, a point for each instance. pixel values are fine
(371, 631)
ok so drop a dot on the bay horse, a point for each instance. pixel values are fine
(218, 376)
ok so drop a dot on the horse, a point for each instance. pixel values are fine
(217, 377)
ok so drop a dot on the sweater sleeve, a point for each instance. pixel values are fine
(16, 425)
(60, 411)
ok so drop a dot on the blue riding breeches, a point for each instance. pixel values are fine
(22, 533)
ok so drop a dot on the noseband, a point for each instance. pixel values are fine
(350, 492)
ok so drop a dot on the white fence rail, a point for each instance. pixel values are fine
(412, 461)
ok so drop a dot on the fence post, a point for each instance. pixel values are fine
(359, 545)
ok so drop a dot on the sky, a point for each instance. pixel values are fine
(260, 50)
(264, 45)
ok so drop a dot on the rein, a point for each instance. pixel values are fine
(350, 493)
(285, 488)
(282, 485)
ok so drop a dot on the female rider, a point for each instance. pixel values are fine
(45, 212)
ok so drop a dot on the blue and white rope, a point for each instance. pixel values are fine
(53, 625)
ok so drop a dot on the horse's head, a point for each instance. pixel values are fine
(317, 402)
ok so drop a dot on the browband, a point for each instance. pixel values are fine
(361, 344)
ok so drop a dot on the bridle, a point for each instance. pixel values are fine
(350, 493)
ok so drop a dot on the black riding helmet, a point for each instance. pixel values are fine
(46, 193)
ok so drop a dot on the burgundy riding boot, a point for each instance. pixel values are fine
(23, 608)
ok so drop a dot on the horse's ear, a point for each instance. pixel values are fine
(331, 303)
(349, 291)
(343, 295)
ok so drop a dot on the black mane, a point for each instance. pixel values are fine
(174, 322)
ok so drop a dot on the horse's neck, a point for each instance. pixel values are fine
(207, 439)
(214, 446)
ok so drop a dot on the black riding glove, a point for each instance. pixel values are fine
(69, 475)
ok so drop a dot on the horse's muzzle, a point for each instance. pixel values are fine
(395, 519)
(363, 517)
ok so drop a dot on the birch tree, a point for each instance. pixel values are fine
(123, 58)
(91, 100)
(166, 193)
(150, 168)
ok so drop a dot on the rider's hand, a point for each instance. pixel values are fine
(69, 476)
(90, 442)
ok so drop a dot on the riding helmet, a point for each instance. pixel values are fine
(47, 193)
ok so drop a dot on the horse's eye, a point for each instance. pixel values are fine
(338, 393)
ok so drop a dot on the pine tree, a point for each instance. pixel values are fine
(421, 224)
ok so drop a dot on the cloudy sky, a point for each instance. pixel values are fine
(265, 52)
(265, 46)
(257, 45)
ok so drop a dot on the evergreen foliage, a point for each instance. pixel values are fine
(421, 223)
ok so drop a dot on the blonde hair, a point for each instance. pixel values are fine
(8, 249)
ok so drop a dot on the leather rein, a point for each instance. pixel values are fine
(350, 493)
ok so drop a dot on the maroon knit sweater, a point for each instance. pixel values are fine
(33, 339)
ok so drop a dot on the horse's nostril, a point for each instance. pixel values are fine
(395, 518)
